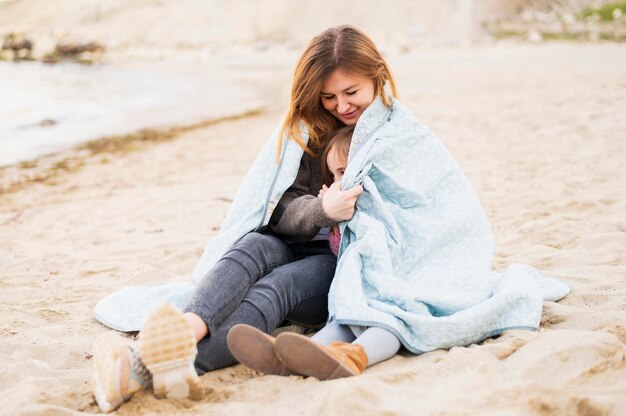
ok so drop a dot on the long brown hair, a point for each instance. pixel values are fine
(343, 48)
(341, 144)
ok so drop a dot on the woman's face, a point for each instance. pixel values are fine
(347, 96)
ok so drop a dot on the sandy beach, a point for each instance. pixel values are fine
(542, 143)
(539, 129)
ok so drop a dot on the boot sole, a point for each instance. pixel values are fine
(255, 349)
(305, 356)
(167, 346)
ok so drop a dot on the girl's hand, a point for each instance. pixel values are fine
(322, 191)
(338, 204)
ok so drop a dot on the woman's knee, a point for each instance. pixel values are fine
(257, 241)
(264, 248)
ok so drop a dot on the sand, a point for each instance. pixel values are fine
(539, 130)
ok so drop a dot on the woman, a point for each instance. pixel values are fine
(271, 261)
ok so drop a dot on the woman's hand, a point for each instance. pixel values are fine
(338, 204)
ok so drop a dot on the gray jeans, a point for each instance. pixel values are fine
(261, 281)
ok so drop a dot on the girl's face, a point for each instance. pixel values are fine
(336, 164)
(347, 96)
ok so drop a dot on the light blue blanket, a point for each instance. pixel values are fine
(416, 257)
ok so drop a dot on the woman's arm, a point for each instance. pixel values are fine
(299, 214)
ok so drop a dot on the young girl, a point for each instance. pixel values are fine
(335, 159)
(336, 350)
(328, 354)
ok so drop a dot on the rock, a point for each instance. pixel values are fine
(82, 53)
(50, 58)
(73, 49)
(47, 122)
(16, 42)
(18, 46)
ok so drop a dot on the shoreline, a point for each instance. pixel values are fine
(55, 108)
(46, 168)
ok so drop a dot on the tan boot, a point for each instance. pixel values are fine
(350, 355)
(305, 356)
(255, 349)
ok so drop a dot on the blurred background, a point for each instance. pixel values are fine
(74, 71)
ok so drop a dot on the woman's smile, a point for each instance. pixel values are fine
(349, 115)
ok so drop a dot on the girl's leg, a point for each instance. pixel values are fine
(297, 291)
(333, 332)
(222, 289)
(379, 344)
(328, 356)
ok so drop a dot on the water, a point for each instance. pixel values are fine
(45, 109)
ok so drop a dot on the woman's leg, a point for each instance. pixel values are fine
(163, 355)
(379, 344)
(223, 288)
(297, 291)
(215, 297)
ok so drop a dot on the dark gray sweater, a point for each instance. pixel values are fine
(299, 214)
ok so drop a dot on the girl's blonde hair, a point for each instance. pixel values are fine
(343, 48)
(340, 143)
